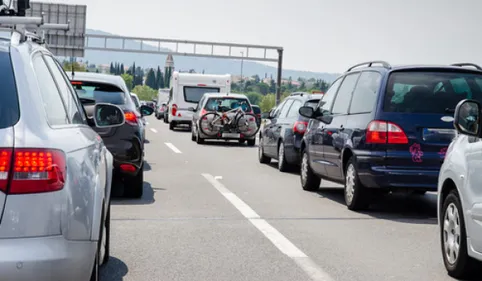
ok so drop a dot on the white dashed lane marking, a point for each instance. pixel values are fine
(172, 147)
(273, 235)
(154, 130)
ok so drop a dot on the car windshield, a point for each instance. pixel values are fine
(312, 103)
(194, 94)
(225, 104)
(100, 92)
(430, 92)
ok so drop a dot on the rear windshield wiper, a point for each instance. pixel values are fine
(449, 110)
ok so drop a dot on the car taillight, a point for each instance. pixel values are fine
(385, 132)
(35, 170)
(203, 111)
(300, 127)
(174, 109)
(130, 117)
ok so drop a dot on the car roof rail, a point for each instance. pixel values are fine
(370, 63)
(462, 64)
(29, 28)
(299, 94)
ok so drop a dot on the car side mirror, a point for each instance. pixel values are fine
(265, 115)
(467, 118)
(191, 109)
(107, 115)
(146, 110)
(306, 111)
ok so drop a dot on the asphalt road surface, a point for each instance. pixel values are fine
(212, 212)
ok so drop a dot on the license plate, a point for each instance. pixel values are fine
(231, 135)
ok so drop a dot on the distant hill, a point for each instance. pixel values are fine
(209, 65)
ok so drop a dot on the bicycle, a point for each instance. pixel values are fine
(214, 124)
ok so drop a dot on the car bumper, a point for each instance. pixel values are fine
(374, 174)
(46, 259)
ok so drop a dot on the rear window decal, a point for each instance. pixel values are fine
(442, 152)
(416, 152)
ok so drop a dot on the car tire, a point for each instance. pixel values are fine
(106, 234)
(172, 125)
(283, 165)
(166, 119)
(263, 159)
(251, 142)
(158, 117)
(199, 140)
(95, 275)
(463, 266)
(193, 136)
(309, 180)
(135, 185)
(242, 141)
(357, 196)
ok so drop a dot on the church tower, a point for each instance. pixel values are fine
(168, 70)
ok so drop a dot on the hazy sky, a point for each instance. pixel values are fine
(317, 35)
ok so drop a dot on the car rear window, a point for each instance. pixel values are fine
(194, 94)
(430, 92)
(225, 104)
(312, 103)
(9, 108)
(100, 92)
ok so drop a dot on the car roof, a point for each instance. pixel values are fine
(99, 77)
(224, 95)
(414, 67)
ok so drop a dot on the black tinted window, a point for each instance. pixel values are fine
(194, 94)
(430, 92)
(54, 107)
(312, 103)
(256, 110)
(100, 92)
(365, 94)
(344, 94)
(327, 101)
(9, 109)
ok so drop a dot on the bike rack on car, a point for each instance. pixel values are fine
(370, 63)
(28, 28)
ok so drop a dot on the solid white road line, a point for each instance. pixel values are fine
(281, 242)
(154, 130)
(172, 147)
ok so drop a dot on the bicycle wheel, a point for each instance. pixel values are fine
(211, 124)
(247, 124)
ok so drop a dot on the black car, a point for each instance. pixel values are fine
(280, 138)
(125, 142)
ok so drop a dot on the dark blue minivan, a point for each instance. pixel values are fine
(384, 128)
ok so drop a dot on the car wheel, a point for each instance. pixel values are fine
(166, 120)
(251, 142)
(135, 185)
(309, 180)
(263, 159)
(283, 166)
(242, 141)
(356, 195)
(105, 241)
(199, 140)
(158, 117)
(193, 136)
(172, 125)
(454, 239)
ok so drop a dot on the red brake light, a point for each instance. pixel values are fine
(35, 170)
(174, 109)
(130, 117)
(385, 132)
(201, 85)
(300, 127)
(76, 83)
(128, 168)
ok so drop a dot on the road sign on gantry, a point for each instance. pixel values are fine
(62, 43)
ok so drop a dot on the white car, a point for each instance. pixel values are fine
(460, 194)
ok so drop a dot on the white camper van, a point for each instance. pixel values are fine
(186, 89)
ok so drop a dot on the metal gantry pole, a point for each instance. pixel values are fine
(280, 72)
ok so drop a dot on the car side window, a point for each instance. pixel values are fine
(345, 92)
(294, 110)
(285, 109)
(324, 106)
(54, 107)
(65, 90)
(365, 94)
(277, 110)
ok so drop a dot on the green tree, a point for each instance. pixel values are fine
(256, 78)
(151, 79)
(263, 88)
(67, 66)
(111, 68)
(254, 98)
(129, 80)
(272, 86)
(159, 79)
(145, 92)
(167, 77)
(134, 74)
(122, 69)
(267, 102)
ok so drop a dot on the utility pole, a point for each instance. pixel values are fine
(242, 61)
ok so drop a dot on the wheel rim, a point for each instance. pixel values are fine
(304, 169)
(281, 155)
(451, 233)
(350, 184)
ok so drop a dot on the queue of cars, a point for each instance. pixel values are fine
(64, 141)
(381, 129)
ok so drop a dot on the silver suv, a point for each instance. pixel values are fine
(55, 172)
